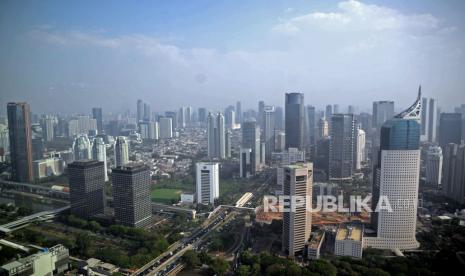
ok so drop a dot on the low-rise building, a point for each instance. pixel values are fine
(48, 167)
(349, 241)
(314, 245)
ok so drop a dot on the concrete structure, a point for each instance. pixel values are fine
(245, 165)
(149, 130)
(314, 245)
(280, 141)
(269, 130)
(294, 121)
(433, 164)
(48, 261)
(48, 167)
(341, 147)
(131, 195)
(187, 198)
(359, 148)
(382, 111)
(251, 140)
(20, 137)
(166, 128)
(121, 150)
(82, 148)
(454, 177)
(450, 129)
(86, 188)
(48, 128)
(207, 182)
(216, 140)
(349, 241)
(99, 153)
(396, 179)
(297, 222)
(98, 116)
(287, 157)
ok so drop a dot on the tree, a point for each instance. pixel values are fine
(95, 226)
(275, 270)
(83, 243)
(191, 259)
(322, 267)
(243, 270)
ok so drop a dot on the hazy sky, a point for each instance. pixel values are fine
(64, 56)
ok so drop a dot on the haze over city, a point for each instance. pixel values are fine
(210, 53)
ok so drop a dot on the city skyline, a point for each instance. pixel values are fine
(192, 58)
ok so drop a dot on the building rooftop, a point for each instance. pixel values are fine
(349, 233)
(85, 163)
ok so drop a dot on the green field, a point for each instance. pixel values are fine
(164, 195)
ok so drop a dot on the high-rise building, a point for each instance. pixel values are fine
(382, 111)
(328, 112)
(182, 117)
(323, 129)
(450, 129)
(174, 120)
(230, 117)
(311, 119)
(238, 112)
(20, 136)
(227, 144)
(454, 172)
(216, 136)
(280, 141)
(48, 128)
(359, 148)
(251, 140)
(82, 148)
(434, 167)
(121, 152)
(208, 179)
(294, 121)
(99, 153)
(297, 222)
(269, 130)
(279, 120)
(432, 120)
(245, 166)
(188, 115)
(341, 147)
(149, 130)
(147, 112)
(140, 110)
(335, 109)
(424, 119)
(86, 188)
(396, 179)
(202, 112)
(97, 115)
(166, 128)
(261, 108)
(131, 195)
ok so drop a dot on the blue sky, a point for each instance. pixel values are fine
(66, 56)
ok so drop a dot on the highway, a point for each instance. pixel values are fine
(41, 216)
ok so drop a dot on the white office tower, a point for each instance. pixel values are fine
(166, 128)
(148, 130)
(360, 148)
(208, 179)
(396, 181)
(82, 148)
(432, 120)
(245, 167)
(121, 151)
(280, 141)
(221, 139)
(434, 167)
(216, 136)
(297, 222)
(99, 153)
(323, 129)
(211, 148)
(269, 130)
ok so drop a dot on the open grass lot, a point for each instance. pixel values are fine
(165, 195)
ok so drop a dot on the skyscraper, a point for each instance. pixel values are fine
(311, 119)
(166, 128)
(182, 117)
(82, 148)
(48, 128)
(269, 130)
(294, 121)
(207, 183)
(382, 111)
(323, 129)
(434, 167)
(99, 153)
(261, 108)
(341, 147)
(227, 144)
(396, 179)
(121, 152)
(251, 140)
(131, 195)
(424, 119)
(245, 165)
(432, 119)
(238, 112)
(140, 110)
(230, 117)
(86, 188)
(202, 115)
(97, 115)
(211, 142)
(359, 148)
(328, 112)
(20, 136)
(450, 129)
(147, 112)
(216, 136)
(454, 172)
(279, 120)
(297, 222)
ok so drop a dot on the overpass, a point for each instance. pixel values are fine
(41, 216)
(34, 189)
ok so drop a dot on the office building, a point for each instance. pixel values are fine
(260, 115)
(149, 130)
(382, 111)
(99, 153)
(166, 128)
(269, 130)
(359, 148)
(147, 113)
(349, 241)
(131, 195)
(279, 118)
(20, 137)
(396, 179)
(202, 115)
(86, 188)
(227, 145)
(245, 166)
(98, 116)
(251, 140)
(433, 164)
(216, 140)
(328, 112)
(310, 126)
(174, 119)
(280, 144)
(238, 112)
(294, 121)
(48, 128)
(341, 147)
(182, 117)
(450, 129)
(287, 157)
(140, 110)
(52, 166)
(121, 150)
(230, 117)
(454, 172)
(323, 129)
(297, 222)
(432, 120)
(82, 148)
(207, 182)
